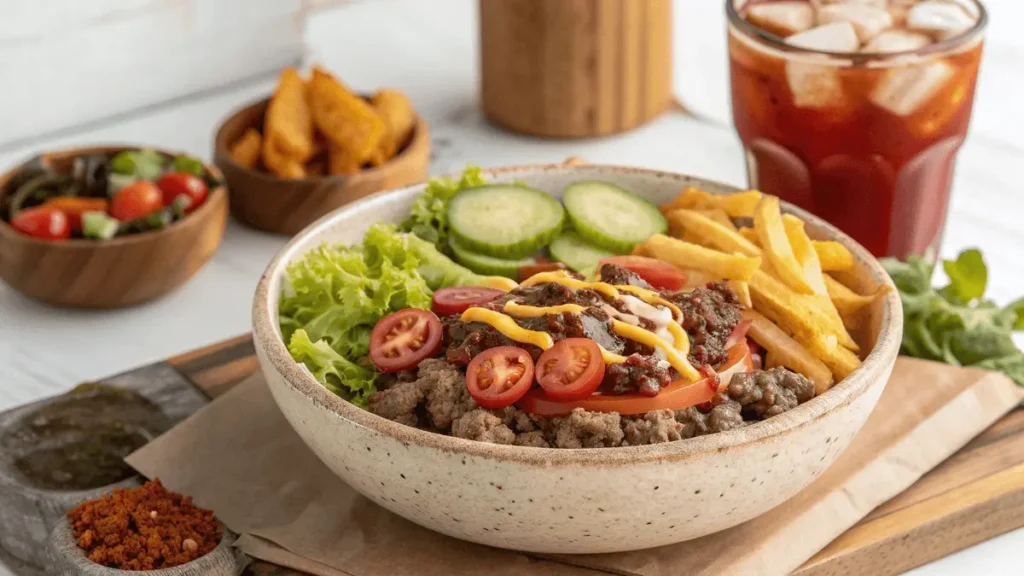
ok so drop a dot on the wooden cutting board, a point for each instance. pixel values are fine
(975, 495)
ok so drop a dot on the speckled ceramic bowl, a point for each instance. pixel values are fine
(571, 501)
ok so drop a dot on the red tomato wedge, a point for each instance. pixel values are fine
(738, 334)
(498, 377)
(176, 185)
(43, 222)
(676, 396)
(658, 274)
(73, 207)
(571, 369)
(136, 200)
(403, 339)
(458, 299)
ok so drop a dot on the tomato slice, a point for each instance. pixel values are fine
(458, 299)
(571, 369)
(403, 339)
(739, 333)
(74, 206)
(531, 269)
(43, 222)
(498, 377)
(658, 274)
(676, 396)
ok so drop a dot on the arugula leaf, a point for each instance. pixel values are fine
(428, 216)
(1016, 308)
(968, 277)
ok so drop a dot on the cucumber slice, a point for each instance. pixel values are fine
(487, 265)
(98, 225)
(572, 251)
(504, 220)
(611, 217)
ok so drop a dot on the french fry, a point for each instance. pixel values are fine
(738, 205)
(690, 199)
(399, 118)
(803, 251)
(344, 118)
(777, 250)
(288, 120)
(834, 256)
(783, 350)
(750, 235)
(742, 290)
(278, 162)
(720, 216)
(709, 233)
(795, 313)
(838, 359)
(246, 150)
(850, 305)
(340, 161)
(685, 255)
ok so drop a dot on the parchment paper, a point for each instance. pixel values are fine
(240, 457)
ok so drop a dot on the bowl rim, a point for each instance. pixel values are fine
(207, 209)
(420, 137)
(269, 342)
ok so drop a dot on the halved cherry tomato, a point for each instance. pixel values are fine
(139, 199)
(74, 206)
(531, 269)
(571, 369)
(658, 274)
(739, 333)
(403, 339)
(676, 396)
(498, 377)
(43, 222)
(177, 184)
(458, 299)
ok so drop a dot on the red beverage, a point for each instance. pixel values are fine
(855, 109)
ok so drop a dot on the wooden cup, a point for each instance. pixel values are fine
(575, 68)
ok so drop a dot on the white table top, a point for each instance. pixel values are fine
(430, 53)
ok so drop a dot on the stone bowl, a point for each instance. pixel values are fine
(572, 501)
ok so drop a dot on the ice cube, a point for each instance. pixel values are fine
(837, 37)
(904, 90)
(814, 85)
(868, 21)
(897, 41)
(875, 3)
(939, 18)
(969, 6)
(782, 18)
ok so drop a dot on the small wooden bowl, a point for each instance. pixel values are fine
(122, 271)
(286, 206)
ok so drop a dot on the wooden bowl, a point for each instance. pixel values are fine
(285, 206)
(123, 271)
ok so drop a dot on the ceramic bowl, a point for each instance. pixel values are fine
(572, 501)
(122, 271)
(285, 206)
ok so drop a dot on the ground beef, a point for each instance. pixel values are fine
(709, 315)
(652, 428)
(765, 393)
(535, 439)
(446, 396)
(483, 426)
(399, 402)
(582, 429)
(641, 374)
(619, 276)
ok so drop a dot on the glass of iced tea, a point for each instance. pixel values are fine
(855, 109)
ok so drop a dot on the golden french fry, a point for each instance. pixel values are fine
(685, 255)
(279, 163)
(737, 205)
(345, 119)
(750, 234)
(833, 256)
(783, 350)
(399, 118)
(740, 204)
(690, 199)
(849, 304)
(719, 215)
(742, 290)
(803, 251)
(340, 161)
(777, 249)
(795, 313)
(246, 150)
(709, 233)
(838, 359)
(288, 120)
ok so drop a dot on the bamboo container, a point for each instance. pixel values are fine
(575, 68)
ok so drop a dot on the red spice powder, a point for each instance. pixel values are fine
(144, 528)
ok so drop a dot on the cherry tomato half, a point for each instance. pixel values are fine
(676, 396)
(136, 200)
(43, 222)
(458, 299)
(571, 369)
(498, 377)
(182, 184)
(658, 274)
(403, 339)
(74, 206)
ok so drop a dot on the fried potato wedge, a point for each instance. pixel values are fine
(399, 118)
(345, 119)
(279, 163)
(795, 313)
(771, 234)
(341, 162)
(701, 229)
(288, 120)
(685, 255)
(834, 256)
(246, 150)
(738, 205)
(783, 350)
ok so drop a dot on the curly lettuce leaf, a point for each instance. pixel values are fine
(428, 217)
(337, 373)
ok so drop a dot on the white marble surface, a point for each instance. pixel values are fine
(430, 52)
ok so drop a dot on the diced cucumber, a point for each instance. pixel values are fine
(99, 225)
(611, 217)
(504, 220)
(487, 265)
(117, 182)
(572, 251)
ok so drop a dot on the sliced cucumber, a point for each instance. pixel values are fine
(504, 220)
(487, 265)
(611, 217)
(98, 225)
(572, 251)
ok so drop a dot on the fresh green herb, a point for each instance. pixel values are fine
(187, 165)
(956, 324)
(428, 217)
(99, 225)
(142, 164)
